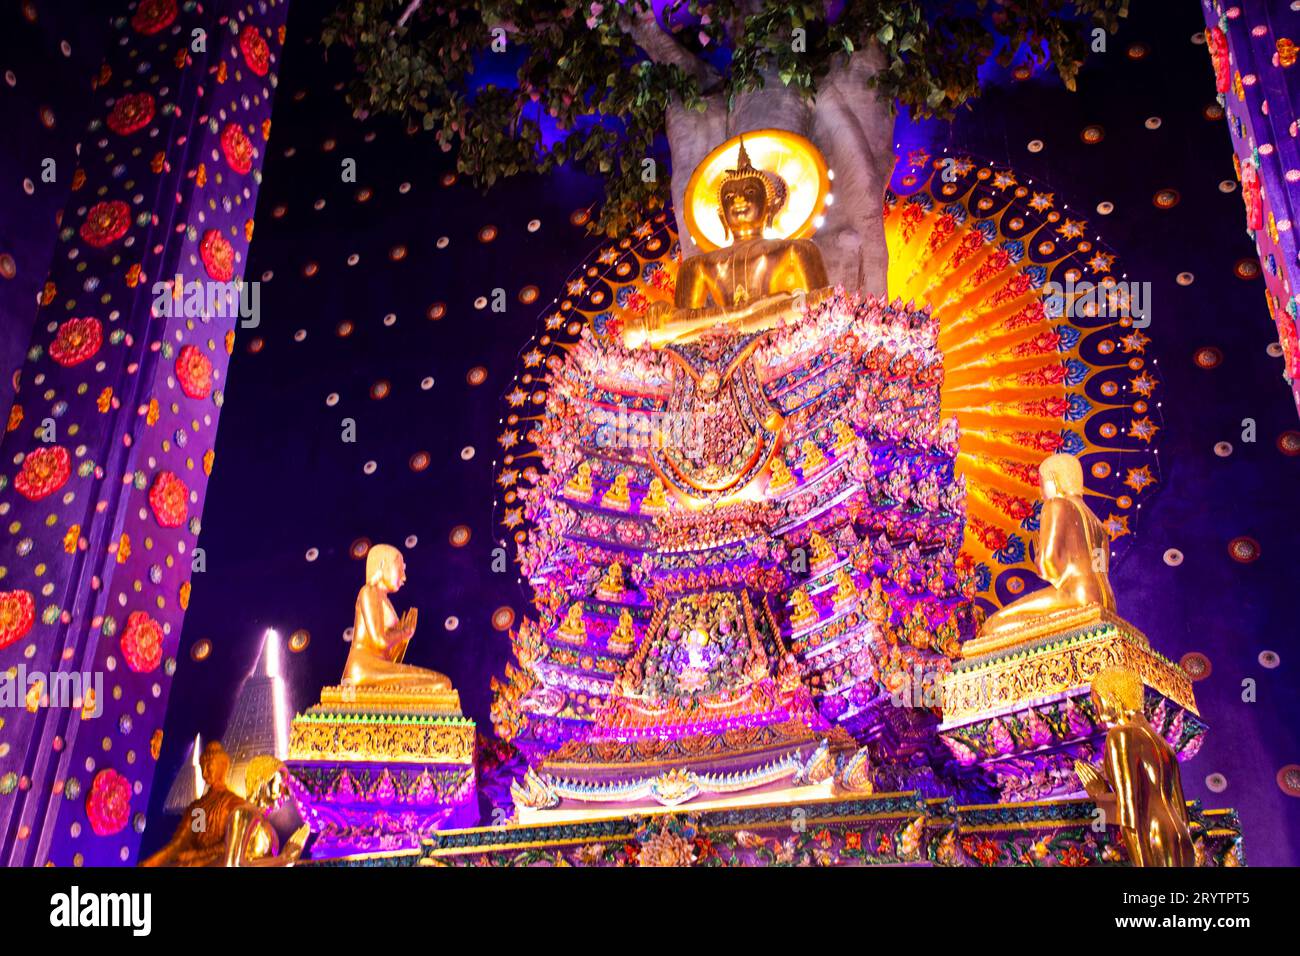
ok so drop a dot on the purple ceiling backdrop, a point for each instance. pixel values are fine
(284, 482)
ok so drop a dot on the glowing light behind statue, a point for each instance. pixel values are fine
(788, 155)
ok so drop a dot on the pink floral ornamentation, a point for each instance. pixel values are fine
(141, 642)
(76, 341)
(1252, 196)
(17, 615)
(131, 113)
(108, 805)
(1217, 41)
(237, 148)
(194, 372)
(218, 256)
(256, 52)
(170, 499)
(44, 472)
(106, 222)
(153, 16)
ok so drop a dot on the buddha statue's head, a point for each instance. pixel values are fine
(1061, 475)
(214, 765)
(264, 782)
(1117, 694)
(385, 567)
(749, 199)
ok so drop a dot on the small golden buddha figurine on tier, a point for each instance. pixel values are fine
(624, 636)
(846, 592)
(655, 501)
(845, 437)
(751, 285)
(611, 587)
(782, 478)
(1137, 786)
(822, 552)
(221, 828)
(813, 458)
(1073, 556)
(579, 486)
(573, 628)
(380, 637)
(618, 497)
(805, 612)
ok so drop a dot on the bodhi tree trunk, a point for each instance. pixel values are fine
(851, 125)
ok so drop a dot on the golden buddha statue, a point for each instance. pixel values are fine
(574, 629)
(813, 459)
(611, 586)
(251, 840)
(1137, 786)
(753, 284)
(618, 497)
(1073, 555)
(845, 437)
(380, 637)
(805, 612)
(782, 477)
(822, 552)
(624, 636)
(579, 486)
(846, 592)
(656, 499)
(221, 828)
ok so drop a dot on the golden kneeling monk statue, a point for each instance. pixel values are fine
(1073, 556)
(379, 636)
(1137, 786)
(751, 285)
(221, 828)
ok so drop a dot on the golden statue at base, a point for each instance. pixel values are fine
(573, 628)
(1137, 786)
(618, 497)
(656, 498)
(845, 437)
(751, 285)
(782, 478)
(221, 828)
(579, 486)
(1073, 556)
(611, 587)
(379, 636)
(813, 459)
(804, 611)
(846, 592)
(822, 552)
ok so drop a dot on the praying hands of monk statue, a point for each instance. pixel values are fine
(751, 285)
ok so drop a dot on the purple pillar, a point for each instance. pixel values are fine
(1253, 48)
(104, 466)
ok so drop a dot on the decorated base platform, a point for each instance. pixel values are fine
(378, 769)
(1018, 712)
(882, 829)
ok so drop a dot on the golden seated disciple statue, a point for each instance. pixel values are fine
(380, 637)
(1137, 786)
(751, 285)
(221, 828)
(1073, 557)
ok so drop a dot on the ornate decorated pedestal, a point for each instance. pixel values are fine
(377, 769)
(1017, 712)
(860, 830)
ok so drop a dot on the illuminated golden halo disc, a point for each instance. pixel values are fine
(789, 155)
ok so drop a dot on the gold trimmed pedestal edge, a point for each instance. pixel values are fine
(1037, 666)
(383, 725)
